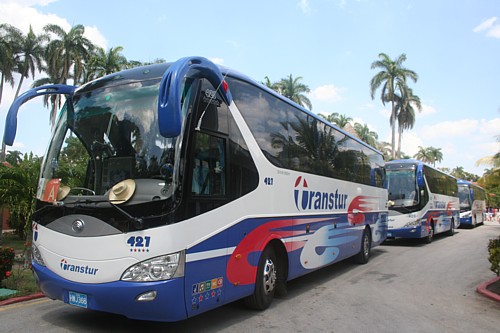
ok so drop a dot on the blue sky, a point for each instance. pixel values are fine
(454, 46)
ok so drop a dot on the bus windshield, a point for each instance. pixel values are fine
(464, 197)
(107, 148)
(402, 186)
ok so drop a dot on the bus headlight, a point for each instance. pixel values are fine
(413, 223)
(156, 269)
(36, 256)
(467, 215)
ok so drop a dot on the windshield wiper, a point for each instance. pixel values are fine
(136, 221)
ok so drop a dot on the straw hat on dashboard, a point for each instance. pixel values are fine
(122, 191)
(62, 192)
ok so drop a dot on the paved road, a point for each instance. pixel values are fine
(406, 287)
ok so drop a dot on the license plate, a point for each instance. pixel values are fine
(389, 234)
(78, 299)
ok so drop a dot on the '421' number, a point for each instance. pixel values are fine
(139, 241)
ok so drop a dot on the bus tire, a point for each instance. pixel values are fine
(428, 239)
(265, 282)
(451, 232)
(366, 244)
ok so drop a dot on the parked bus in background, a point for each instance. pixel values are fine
(423, 201)
(194, 186)
(472, 203)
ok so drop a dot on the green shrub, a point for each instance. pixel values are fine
(494, 258)
(6, 260)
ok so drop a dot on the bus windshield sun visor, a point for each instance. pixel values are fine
(171, 87)
(11, 120)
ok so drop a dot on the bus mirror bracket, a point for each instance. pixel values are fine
(11, 120)
(171, 89)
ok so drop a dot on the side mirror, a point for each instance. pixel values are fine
(171, 88)
(11, 120)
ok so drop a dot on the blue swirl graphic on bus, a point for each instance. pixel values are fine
(322, 247)
(306, 199)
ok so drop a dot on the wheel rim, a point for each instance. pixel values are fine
(366, 246)
(269, 276)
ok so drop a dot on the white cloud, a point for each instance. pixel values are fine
(218, 61)
(328, 92)
(426, 110)
(9, 13)
(489, 26)
(485, 25)
(447, 129)
(304, 6)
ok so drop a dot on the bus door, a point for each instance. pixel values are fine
(206, 189)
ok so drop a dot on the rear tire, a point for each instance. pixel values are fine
(265, 282)
(451, 232)
(366, 244)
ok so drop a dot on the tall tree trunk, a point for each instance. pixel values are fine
(400, 134)
(393, 127)
(1, 87)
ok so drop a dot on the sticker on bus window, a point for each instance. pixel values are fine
(50, 190)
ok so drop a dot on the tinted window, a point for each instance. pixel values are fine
(291, 138)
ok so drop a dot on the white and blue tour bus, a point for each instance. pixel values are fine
(472, 203)
(172, 189)
(423, 201)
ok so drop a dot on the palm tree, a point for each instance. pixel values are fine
(10, 40)
(342, 120)
(391, 77)
(14, 157)
(102, 63)
(384, 148)
(70, 50)
(429, 155)
(405, 109)
(423, 155)
(435, 154)
(274, 86)
(365, 134)
(30, 56)
(291, 88)
(332, 117)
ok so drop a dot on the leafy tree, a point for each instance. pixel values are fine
(384, 148)
(103, 63)
(342, 120)
(405, 109)
(31, 56)
(391, 77)
(338, 119)
(69, 50)
(332, 117)
(429, 155)
(18, 187)
(491, 178)
(292, 88)
(274, 86)
(73, 162)
(10, 39)
(423, 155)
(365, 134)
(14, 157)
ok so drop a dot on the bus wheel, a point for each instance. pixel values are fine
(430, 235)
(451, 232)
(366, 244)
(265, 282)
